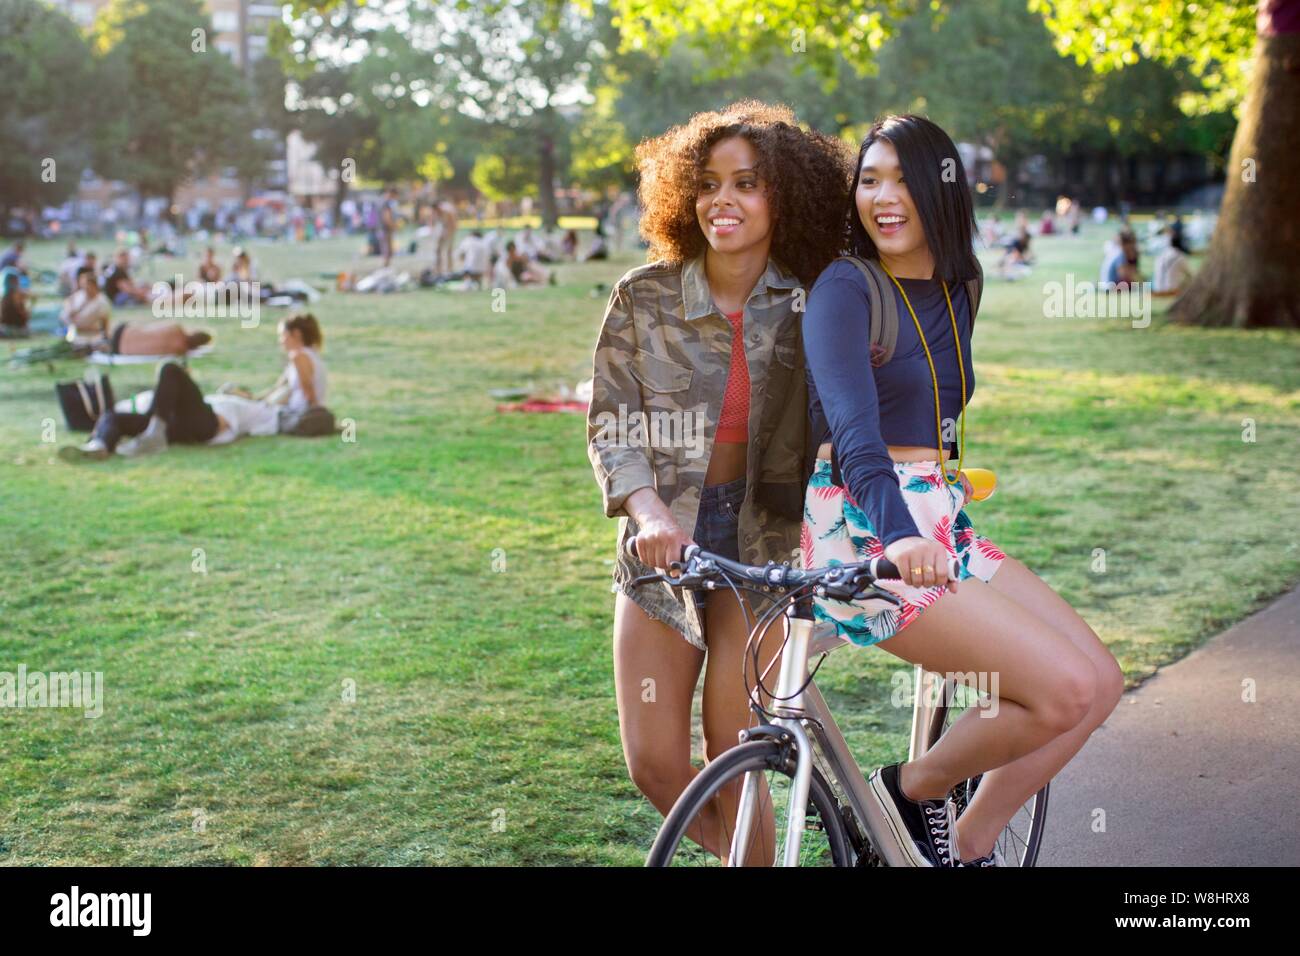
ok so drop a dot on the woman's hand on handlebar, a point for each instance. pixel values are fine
(659, 539)
(928, 558)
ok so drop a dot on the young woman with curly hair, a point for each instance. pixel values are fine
(701, 348)
(896, 494)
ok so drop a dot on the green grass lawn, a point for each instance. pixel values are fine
(452, 565)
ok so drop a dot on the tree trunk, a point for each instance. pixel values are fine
(1249, 279)
(546, 185)
(546, 173)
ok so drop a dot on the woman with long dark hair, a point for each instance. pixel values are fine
(884, 483)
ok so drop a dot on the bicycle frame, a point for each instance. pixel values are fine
(800, 709)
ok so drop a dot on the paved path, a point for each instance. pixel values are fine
(1186, 772)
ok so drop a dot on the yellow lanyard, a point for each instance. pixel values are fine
(938, 429)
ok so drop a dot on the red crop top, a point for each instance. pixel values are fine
(733, 424)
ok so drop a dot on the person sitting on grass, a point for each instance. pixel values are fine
(86, 312)
(118, 285)
(12, 258)
(1173, 272)
(304, 383)
(524, 270)
(1017, 258)
(1120, 270)
(209, 271)
(15, 308)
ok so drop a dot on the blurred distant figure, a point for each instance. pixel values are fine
(569, 244)
(599, 249)
(1017, 259)
(1172, 269)
(523, 270)
(1076, 214)
(1120, 269)
(12, 258)
(242, 269)
(474, 258)
(120, 288)
(1100, 215)
(209, 271)
(388, 224)
(86, 312)
(548, 246)
(992, 231)
(72, 261)
(445, 214)
(1047, 225)
(15, 307)
(1177, 238)
(525, 244)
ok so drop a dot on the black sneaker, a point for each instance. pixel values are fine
(924, 829)
(993, 859)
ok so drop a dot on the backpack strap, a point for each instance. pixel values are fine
(884, 309)
(884, 326)
(974, 289)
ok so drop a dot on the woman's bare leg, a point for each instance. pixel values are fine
(655, 673)
(726, 706)
(1046, 685)
(1004, 790)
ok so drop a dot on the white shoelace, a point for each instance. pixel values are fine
(942, 829)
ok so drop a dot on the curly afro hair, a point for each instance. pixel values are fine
(806, 175)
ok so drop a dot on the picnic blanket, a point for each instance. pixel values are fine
(543, 405)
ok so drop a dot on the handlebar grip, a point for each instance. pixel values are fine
(630, 549)
(884, 568)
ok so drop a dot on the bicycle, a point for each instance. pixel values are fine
(796, 759)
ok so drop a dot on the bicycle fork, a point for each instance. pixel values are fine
(794, 673)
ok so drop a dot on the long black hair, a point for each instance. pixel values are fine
(936, 181)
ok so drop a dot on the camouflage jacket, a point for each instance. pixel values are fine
(660, 371)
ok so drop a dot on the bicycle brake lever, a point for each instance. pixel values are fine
(875, 592)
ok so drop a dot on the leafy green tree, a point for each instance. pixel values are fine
(1239, 52)
(517, 66)
(178, 108)
(48, 106)
(1249, 276)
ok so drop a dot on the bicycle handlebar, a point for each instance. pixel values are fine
(698, 569)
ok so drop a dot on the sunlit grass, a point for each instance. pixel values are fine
(484, 728)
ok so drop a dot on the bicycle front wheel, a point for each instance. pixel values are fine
(701, 814)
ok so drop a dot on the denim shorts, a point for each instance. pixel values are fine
(717, 528)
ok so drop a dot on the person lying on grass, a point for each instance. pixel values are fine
(180, 414)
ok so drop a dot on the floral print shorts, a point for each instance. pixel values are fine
(837, 531)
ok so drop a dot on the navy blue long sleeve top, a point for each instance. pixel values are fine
(861, 409)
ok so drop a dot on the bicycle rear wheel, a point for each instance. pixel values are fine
(824, 842)
(1020, 840)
